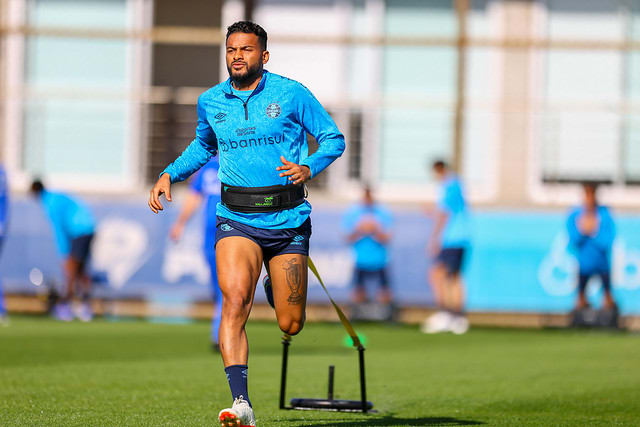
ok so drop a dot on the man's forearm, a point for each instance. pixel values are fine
(438, 227)
(192, 158)
(382, 236)
(353, 236)
(328, 152)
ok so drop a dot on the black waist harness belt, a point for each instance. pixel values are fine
(262, 199)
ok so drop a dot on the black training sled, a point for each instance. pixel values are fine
(372, 312)
(328, 404)
(596, 319)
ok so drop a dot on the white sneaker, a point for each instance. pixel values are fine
(459, 325)
(239, 415)
(439, 322)
(83, 311)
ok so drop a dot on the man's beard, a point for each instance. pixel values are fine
(246, 78)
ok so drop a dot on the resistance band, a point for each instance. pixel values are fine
(345, 322)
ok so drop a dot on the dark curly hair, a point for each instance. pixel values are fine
(37, 187)
(249, 27)
(439, 164)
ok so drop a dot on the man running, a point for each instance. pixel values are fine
(205, 186)
(258, 122)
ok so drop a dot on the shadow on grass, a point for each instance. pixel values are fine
(313, 351)
(390, 420)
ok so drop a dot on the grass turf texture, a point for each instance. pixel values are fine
(142, 374)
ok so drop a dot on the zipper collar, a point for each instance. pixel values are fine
(228, 88)
(229, 93)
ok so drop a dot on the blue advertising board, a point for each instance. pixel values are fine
(518, 261)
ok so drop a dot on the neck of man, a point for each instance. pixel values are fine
(247, 85)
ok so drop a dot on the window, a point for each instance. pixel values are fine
(589, 127)
(76, 112)
(419, 90)
(631, 123)
(179, 73)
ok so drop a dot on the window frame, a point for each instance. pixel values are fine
(543, 193)
(137, 53)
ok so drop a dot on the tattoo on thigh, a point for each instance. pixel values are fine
(294, 280)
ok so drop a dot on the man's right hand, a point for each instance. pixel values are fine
(163, 186)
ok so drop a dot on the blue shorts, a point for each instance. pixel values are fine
(452, 259)
(80, 248)
(605, 277)
(362, 276)
(272, 241)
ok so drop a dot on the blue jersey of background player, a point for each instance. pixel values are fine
(258, 122)
(591, 234)
(454, 215)
(449, 241)
(73, 228)
(4, 222)
(205, 187)
(207, 184)
(367, 225)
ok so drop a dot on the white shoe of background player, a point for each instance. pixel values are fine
(83, 311)
(239, 415)
(459, 325)
(439, 322)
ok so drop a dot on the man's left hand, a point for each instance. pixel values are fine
(297, 174)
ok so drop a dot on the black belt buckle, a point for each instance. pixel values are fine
(265, 200)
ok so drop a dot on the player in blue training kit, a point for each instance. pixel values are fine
(449, 242)
(258, 123)
(205, 186)
(4, 219)
(73, 227)
(367, 225)
(591, 234)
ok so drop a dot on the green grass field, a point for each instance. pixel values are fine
(143, 374)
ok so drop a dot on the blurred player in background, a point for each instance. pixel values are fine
(591, 233)
(73, 227)
(368, 226)
(205, 186)
(259, 123)
(448, 244)
(4, 220)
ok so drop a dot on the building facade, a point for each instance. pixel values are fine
(525, 98)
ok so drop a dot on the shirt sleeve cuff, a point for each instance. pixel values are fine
(313, 172)
(169, 172)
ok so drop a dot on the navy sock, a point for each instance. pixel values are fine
(237, 378)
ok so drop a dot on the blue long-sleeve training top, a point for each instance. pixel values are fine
(251, 131)
(4, 202)
(370, 254)
(593, 251)
(70, 218)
